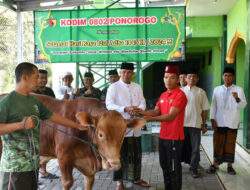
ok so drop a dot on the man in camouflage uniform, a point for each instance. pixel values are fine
(89, 91)
(20, 131)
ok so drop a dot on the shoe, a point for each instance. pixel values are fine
(231, 171)
(212, 169)
(194, 173)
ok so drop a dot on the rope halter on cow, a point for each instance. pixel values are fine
(90, 143)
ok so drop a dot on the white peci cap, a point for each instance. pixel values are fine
(66, 74)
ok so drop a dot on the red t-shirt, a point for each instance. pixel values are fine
(172, 129)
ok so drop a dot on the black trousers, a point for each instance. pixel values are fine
(19, 180)
(131, 156)
(193, 135)
(170, 161)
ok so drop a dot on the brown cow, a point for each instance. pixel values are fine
(108, 136)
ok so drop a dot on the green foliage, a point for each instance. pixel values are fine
(8, 47)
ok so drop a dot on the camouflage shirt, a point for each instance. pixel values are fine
(96, 93)
(21, 148)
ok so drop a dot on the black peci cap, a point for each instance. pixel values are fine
(192, 71)
(113, 72)
(128, 66)
(88, 74)
(229, 70)
(183, 72)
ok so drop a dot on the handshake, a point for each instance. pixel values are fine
(133, 110)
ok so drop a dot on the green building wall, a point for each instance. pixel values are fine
(206, 36)
(206, 26)
(240, 70)
(236, 19)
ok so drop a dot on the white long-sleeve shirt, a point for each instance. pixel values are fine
(61, 91)
(121, 95)
(197, 102)
(225, 110)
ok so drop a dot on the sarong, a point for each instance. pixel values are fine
(224, 144)
(131, 155)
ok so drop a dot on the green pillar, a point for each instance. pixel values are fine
(246, 127)
(224, 50)
(77, 74)
(138, 64)
(138, 72)
(224, 46)
(105, 78)
(77, 63)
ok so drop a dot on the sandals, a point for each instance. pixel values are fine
(49, 176)
(212, 169)
(119, 186)
(194, 173)
(142, 183)
(231, 171)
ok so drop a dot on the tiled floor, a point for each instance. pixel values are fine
(151, 172)
(241, 181)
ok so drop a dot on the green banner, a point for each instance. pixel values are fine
(110, 35)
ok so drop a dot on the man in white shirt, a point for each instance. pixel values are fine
(66, 91)
(195, 119)
(227, 101)
(126, 97)
(182, 77)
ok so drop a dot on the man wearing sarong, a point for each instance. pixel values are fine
(195, 120)
(227, 101)
(126, 97)
(170, 110)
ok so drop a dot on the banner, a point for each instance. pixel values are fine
(110, 35)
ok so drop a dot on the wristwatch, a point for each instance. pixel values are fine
(237, 100)
(204, 125)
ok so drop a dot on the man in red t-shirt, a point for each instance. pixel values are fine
(170, 110)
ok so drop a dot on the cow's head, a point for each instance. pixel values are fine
(110, 131)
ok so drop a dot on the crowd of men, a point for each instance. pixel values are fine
(182, 111)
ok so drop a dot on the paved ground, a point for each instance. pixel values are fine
(151, 172)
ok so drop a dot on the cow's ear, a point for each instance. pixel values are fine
(86, 119)
(135, 124)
